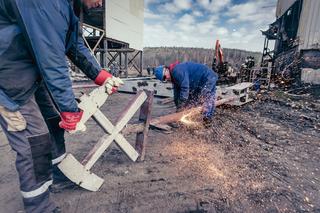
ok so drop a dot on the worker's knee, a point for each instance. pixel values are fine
(14, 120)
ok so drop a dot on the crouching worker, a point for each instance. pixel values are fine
(37, 103)
(194, 84)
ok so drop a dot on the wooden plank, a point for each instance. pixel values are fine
(123, 144)
(145, 117)
(105, 141)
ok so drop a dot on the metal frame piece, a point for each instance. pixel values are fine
(112, 54)
(79, 173)
(101, 35)
(122, 60)
(160, 89)
(145, 117)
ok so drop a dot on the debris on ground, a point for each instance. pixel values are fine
(261, 157)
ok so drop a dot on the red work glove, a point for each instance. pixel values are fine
(110, 82)
(70, 121)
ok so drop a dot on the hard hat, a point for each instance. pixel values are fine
(159, 72)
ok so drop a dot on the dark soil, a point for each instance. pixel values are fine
(262, 157)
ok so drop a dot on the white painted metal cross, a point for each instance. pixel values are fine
(80, 173)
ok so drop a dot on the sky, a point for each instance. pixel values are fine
(198, 23)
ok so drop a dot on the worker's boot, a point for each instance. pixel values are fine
(57, 210)
(59, 187)
(60, 182)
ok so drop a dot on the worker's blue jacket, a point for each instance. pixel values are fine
(35, 37)
(194, 81)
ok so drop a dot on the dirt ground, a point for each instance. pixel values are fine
(262, 157)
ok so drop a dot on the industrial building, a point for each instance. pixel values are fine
(296, 36)
(114, 34)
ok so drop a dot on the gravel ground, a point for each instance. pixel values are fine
(262, 157)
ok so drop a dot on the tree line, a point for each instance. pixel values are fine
(155, 56)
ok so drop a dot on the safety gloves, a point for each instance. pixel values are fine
(71, 121)
(110, 82)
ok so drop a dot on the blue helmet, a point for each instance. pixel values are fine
(159, 73)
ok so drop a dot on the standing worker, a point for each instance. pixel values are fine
(193, 84)
(36, 99)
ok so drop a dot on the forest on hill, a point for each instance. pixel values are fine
(154, 56)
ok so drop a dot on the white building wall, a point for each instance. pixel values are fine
(283, 6)
(124, 21)
(309, 26)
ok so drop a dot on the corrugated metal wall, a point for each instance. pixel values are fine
(309, 27)
(283, 6)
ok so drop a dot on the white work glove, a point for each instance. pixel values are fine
(80, 127)
(112, 84)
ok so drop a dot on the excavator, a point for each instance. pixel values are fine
(227, 74)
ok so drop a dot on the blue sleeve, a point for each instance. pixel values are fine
(210, 83)
(81, 56)
(181, 79)
(46, 24)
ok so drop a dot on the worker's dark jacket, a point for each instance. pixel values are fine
(192, 79)
(35, 37)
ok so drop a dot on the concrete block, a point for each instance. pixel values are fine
(310, 76)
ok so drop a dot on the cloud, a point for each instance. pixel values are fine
(150, 16)
(207, 26)
(197, 13)
(148, 2)
(175, 6)
(198, 23)
(214, 5)
(257, 12)
(183, 5)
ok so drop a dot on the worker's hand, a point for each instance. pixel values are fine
(71, 122)
(110, 82)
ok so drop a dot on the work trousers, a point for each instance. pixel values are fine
(52, 119)
(206, 97)
(39, 147)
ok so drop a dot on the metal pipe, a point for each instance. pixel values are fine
(174, 117)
